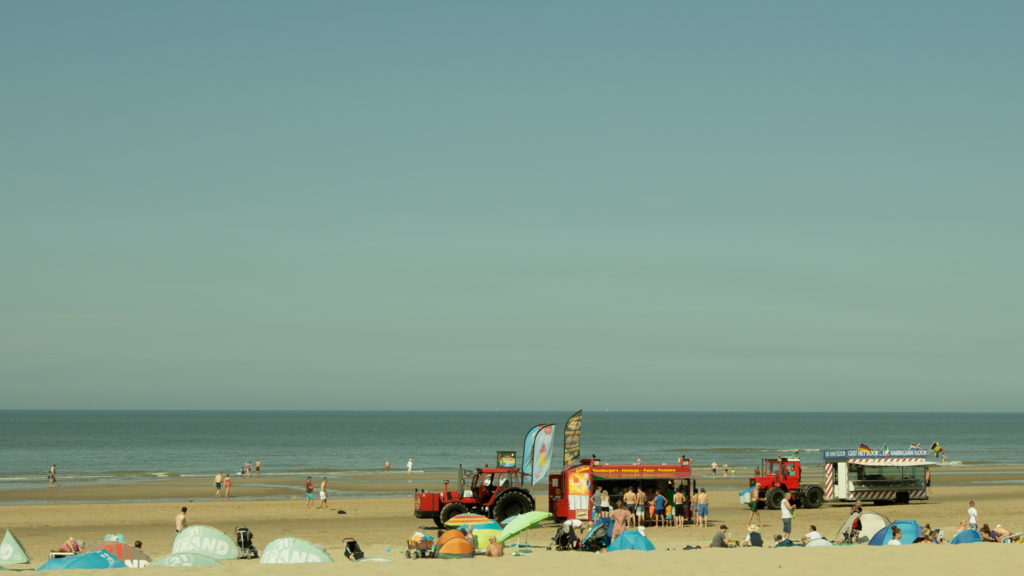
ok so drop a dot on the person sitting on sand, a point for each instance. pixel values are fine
(721, 539)
(781, 542)
(993, 534)
(812, 535)
(495, 549)
(70, 546)
(896, 533)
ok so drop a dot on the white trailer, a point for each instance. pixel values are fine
(890, 476)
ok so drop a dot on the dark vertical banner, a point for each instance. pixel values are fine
(573, 427)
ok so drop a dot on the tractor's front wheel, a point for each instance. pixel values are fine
(450, 509)
(512, 503)
(813, 497)
(774, 497)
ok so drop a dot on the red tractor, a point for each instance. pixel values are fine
(494, 492)
(780, 475)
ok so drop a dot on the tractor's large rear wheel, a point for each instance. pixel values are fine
(450, 509)
(812, 497)
(773, 498)
(511, 503)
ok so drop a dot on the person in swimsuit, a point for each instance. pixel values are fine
(180, 522)
(216, 482)
(227, 487)
(755, 505)
(53, 476)
(323, 493)
(309, 492)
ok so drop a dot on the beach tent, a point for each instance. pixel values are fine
(966, 537)
(631, 540)
(293, 551)
(449, 535)
(870, 524)
(599, 536)
(910, 529)
(454, 548)
(184, 560)
(88, 561)
(206, 541)
(130, 555)
(817, 542)
(11, 550)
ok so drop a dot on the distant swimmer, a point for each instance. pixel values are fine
(258, 464)
(387, 465)
(408, 466)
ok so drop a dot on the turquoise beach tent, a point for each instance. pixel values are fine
(910, 531)
(88, 561)
(207, 541)
(966, 537)
(184, 560)
(631, 540)
(293, 551)
(11, 550)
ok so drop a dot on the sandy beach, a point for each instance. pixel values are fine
(383, 524)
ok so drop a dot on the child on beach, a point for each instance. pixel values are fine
(972, 515)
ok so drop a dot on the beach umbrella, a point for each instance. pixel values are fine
(184, 560)
(11, 550)
(631, 540)
(468, 519)
(130, 555)
(966, 537)
(293, 551)
(522, 522)
(88, 561)
(207, 541)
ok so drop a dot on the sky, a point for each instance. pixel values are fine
(512, 205)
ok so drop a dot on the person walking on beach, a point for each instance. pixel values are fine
(309, 492)
(755, 505)
(180, 523)
(714, 469)
(787, 515)
(972, 516)
(408, 466)
(323, 494)
(227, 487)
(216, 483)
(258, 463)
(725, 470)
(53, 476)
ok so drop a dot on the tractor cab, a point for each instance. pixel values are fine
(487, 481)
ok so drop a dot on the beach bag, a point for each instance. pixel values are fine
(352, 550)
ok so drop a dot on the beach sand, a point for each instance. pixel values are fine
(381, 522)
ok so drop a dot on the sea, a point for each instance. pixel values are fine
(91, 447)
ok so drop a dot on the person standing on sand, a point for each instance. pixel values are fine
(323, 494)
(227, 487)
(408, 466)
(216, 483)
(702, 509)
(787, 515)
(755, 505)
(53, 476)
(641, 507)
(309, 492)
(678, 504)
(714, 469)
(725, 470)
(972, 515)
(180, 523)
(620, 519)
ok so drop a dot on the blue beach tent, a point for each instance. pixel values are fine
(631, 540)
(600, 533)
(87, 561)
(910, 529)
(966, 537)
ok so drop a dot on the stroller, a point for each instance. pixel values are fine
(600, 536)
(243, 536)
(352, 550)
(565, 538)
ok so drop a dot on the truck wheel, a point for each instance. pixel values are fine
(813, 497)
(511, 503)
(450, 509)
(773, 498)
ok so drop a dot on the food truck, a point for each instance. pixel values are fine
(571, 491)
(890, 476)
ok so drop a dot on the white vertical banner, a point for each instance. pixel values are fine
(542, 453)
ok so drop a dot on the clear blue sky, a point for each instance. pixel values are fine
(558, 205)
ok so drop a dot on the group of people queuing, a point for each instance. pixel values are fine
(673, 506)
